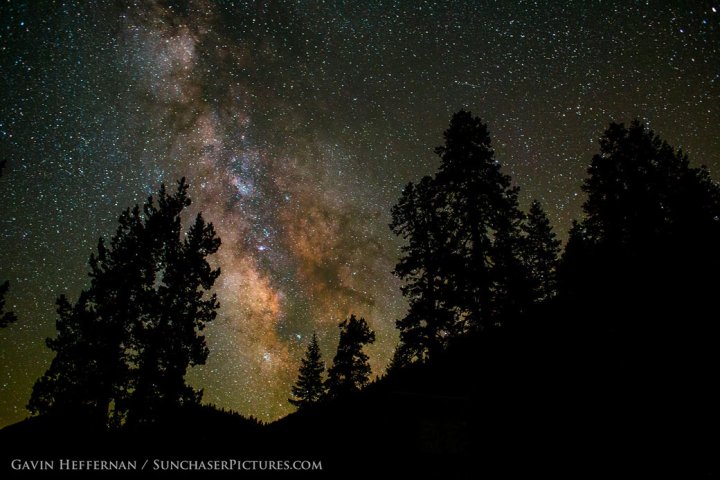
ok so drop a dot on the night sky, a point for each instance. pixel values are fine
(297, 124)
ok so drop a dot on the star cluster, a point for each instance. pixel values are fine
(297, 124)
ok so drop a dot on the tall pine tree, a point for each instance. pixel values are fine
(540, 253)
(462, 265)
(171, 342)
(90, 374)
(309, 388)
(484, 219)
(430, 320)
(123, 349)
(80, 380)
(350, 371)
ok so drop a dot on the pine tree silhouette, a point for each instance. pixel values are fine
(640, 189)
(350, 371)
(462, 265)
(171, 341)
(400, 359)
(642, 264)
(485, 221)
(648, 215)
(511, 291)
(78, 382)
(309, 388)
(637, 287)
(430, 320)
(540, 253)
(123, 349)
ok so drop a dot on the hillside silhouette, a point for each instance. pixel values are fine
(535, 405)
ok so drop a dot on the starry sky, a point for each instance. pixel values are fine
(297, 124)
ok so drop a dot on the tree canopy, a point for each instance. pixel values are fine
(309, 388)
(123, 349)
(463, 262)
(350, 371)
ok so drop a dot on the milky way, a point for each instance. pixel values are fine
(297, 124)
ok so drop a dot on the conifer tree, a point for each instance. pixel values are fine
(78, 382)
(641, 190)
(123, 349)
(462, 265)
(643, 261)
(172, 341)
(350, 371)
(430, 319)
(309, 388)
(540, 253)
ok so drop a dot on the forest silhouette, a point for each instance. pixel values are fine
(516, 356)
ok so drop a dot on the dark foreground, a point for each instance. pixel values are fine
(516, 403)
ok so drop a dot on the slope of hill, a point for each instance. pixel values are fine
(518, 401)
